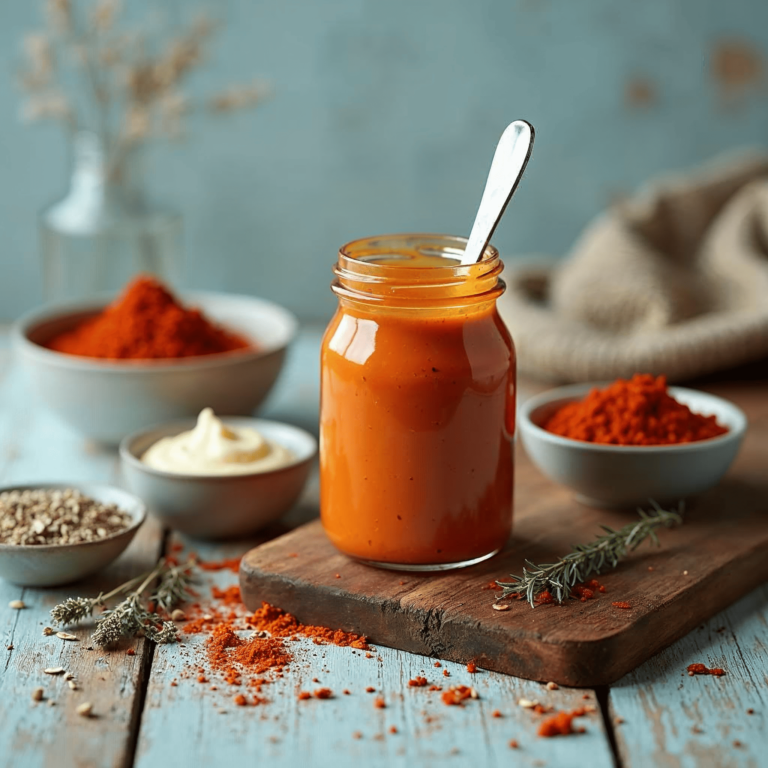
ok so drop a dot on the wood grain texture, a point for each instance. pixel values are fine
(181, 724)
(671, 589)
(671, 720)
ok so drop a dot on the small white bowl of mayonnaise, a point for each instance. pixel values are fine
(218, 478)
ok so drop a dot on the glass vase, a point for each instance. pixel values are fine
(105, 231)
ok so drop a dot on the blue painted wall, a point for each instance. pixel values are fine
(385, 116)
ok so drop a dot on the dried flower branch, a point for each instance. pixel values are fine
(132, 616)
(130, 91)
(560, 577)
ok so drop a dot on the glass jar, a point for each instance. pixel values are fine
(104, 231)
(417, 411)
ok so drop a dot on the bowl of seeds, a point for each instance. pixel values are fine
(53, 534)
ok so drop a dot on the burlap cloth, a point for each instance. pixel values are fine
(673, 281)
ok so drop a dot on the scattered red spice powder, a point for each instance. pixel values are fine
(231, 564)
(437, 664)
(471, 667)
(228, 596)
(418, 682)
(435, 688)
(583, 593)
(622, 604)
(492, 585)
(561, 724)
(456, 694)
(304, 695)
(379, 703)
(446, 673)
(279, 623)
(130, 652)
(232, 656)
(357, 735)
(370, 689)
(638, 411)
(240, 700)
(346, 692)
(496, 713)
(545, 598)
(513, 744)
(702, 669)
(147, 322)
(392, 729)
(323, 693)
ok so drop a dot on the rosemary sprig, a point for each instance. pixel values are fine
(607, 549)
(131, 616)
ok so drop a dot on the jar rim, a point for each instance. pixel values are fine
(362, 277)
(423, 243)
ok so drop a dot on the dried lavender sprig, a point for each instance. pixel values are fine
(560, 577)
(130, 617)
(75, 609)
(175, 586)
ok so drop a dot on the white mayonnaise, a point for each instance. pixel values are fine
(213, 448)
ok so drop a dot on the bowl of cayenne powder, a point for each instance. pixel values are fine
(113, 365)
(52, 534)
(625, 443)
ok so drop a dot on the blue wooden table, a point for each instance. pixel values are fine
(656, 716)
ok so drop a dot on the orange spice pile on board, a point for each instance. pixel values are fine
(147, 322)
(638, 411)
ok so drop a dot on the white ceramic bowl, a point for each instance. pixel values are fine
(219, 506)
(106, 400)
(50, 565)
(621, 476)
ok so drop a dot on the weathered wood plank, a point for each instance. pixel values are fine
(34, 447)
(671, 719)
(182, 725)
(583, 644)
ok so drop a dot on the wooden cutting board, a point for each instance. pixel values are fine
(719, 554)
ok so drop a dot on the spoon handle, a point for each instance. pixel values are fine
(509, 161)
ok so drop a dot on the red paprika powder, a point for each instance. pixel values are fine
(638, 411)
(147, 322)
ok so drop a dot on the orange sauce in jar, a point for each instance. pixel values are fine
(418, 406)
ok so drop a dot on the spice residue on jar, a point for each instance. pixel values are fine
(146, 322)
(638, 411)
(214, 448)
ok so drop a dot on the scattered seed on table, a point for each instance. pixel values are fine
(51, 703)
(85, 709)
(37, 694)
(66, 636)
(73, 685)
(552, 686)
(17, 604)
(501, 606)
(54, 670)
(178, 615)
(48, 631)
(69, 676)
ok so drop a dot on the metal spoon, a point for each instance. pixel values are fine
(509, 161)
